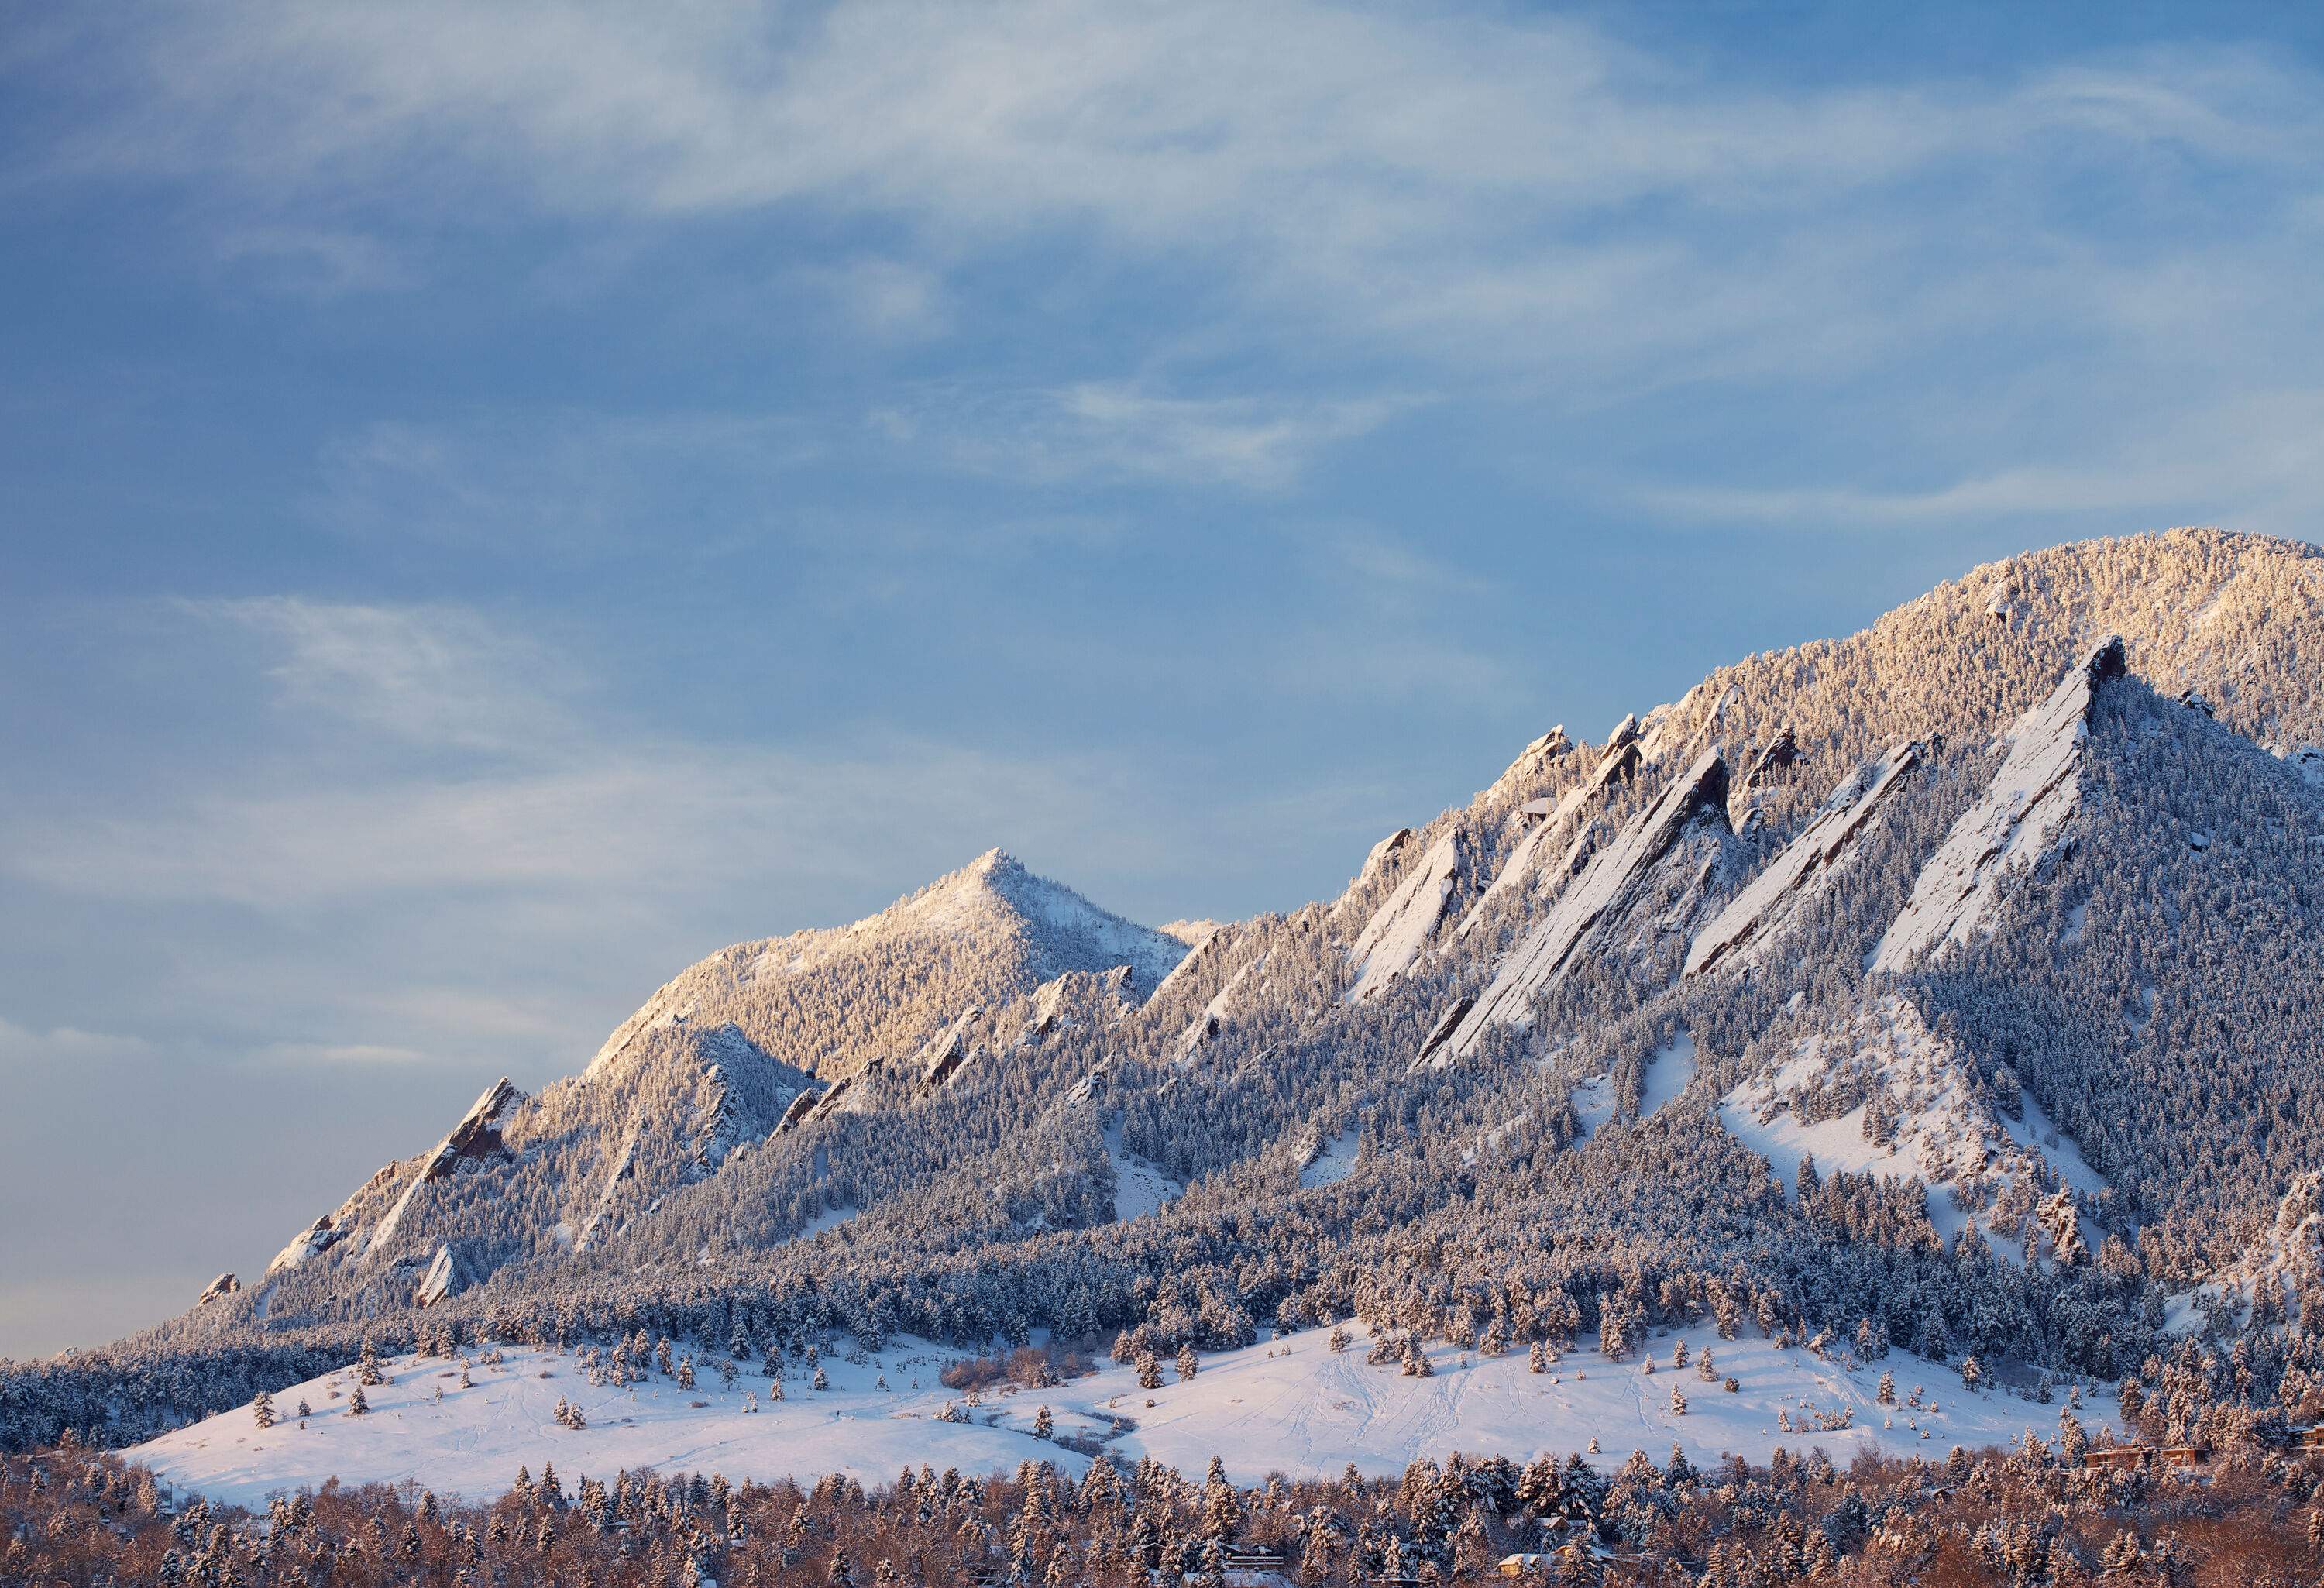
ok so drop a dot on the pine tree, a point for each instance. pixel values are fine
(356, 1404)
(1044, 1426)
(1188, 1364)
(262, 1410)
(1536, 1359)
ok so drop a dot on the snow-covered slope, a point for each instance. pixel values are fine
(1292, 1406)
(826, 1001)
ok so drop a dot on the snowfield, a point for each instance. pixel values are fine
(1292, 1406)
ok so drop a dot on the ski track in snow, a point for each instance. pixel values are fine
(1293, 1406)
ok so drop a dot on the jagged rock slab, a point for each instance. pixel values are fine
(1754, 916)
(2015, 822)
(475, 1138)
(1772, 763)
(1608, 881)
(1383, 855)
(440, 1282)
(1400, 928)
(217, 1289)
(1441, 1032)
(309, 1243)
(1551, 818)
(941, 1059)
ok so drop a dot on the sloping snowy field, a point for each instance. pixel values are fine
(1292, 1406)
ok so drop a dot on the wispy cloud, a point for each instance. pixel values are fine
(1474, 186)
(575, 483)
(1124, 431)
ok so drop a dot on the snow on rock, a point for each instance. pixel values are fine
(946, 1052)
(476, 1137)
(1881, 1094)
(311, 1242)
(1326, 1160)
(1400, 928)
(2017, 819)
(1206, 1025)
(1773, 761)
(1205, 954)
(225, 1285)
(442, 1281)
(1291, 1405)
(1383, 855)
(1755, 917)
(2308, 762)
(1551, 819)
(1431, 1047)
(1534, 760)
(1610, 881)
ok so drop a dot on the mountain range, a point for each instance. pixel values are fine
(1957, 983)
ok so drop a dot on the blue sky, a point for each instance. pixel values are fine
(502, 501)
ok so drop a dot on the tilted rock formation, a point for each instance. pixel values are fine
(2021, 815)
(1608, 883)
(1400, 928)
(1754, 917)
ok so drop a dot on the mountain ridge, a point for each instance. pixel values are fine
(1476, 1036)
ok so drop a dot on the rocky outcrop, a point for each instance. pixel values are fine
(441, 1282)
(1439, 1034)
(2018, 819)
(941, 1059)
(1609, 881)
(1756, 916)
(1383, 855)
(309, 1243)
(1532, 761)
(475, 1139)
(1400, 928)
(217, 1289)
(1773, 763)
(1548, 820)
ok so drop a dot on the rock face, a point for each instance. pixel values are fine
(1401, 927)
(1383, 855)
(2018, 819)
(225, 1285)
(1609, 881)
(942, 1057)
(1756, 916)
(440, 1282)
(1772, 763)
(991, 932)
(477, 1137)
(1552, 819)
(313, 1242)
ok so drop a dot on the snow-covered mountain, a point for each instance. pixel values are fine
(1954, 986)
(755, 1039)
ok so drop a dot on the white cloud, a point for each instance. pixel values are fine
(1121, 430)
(1502, 193)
